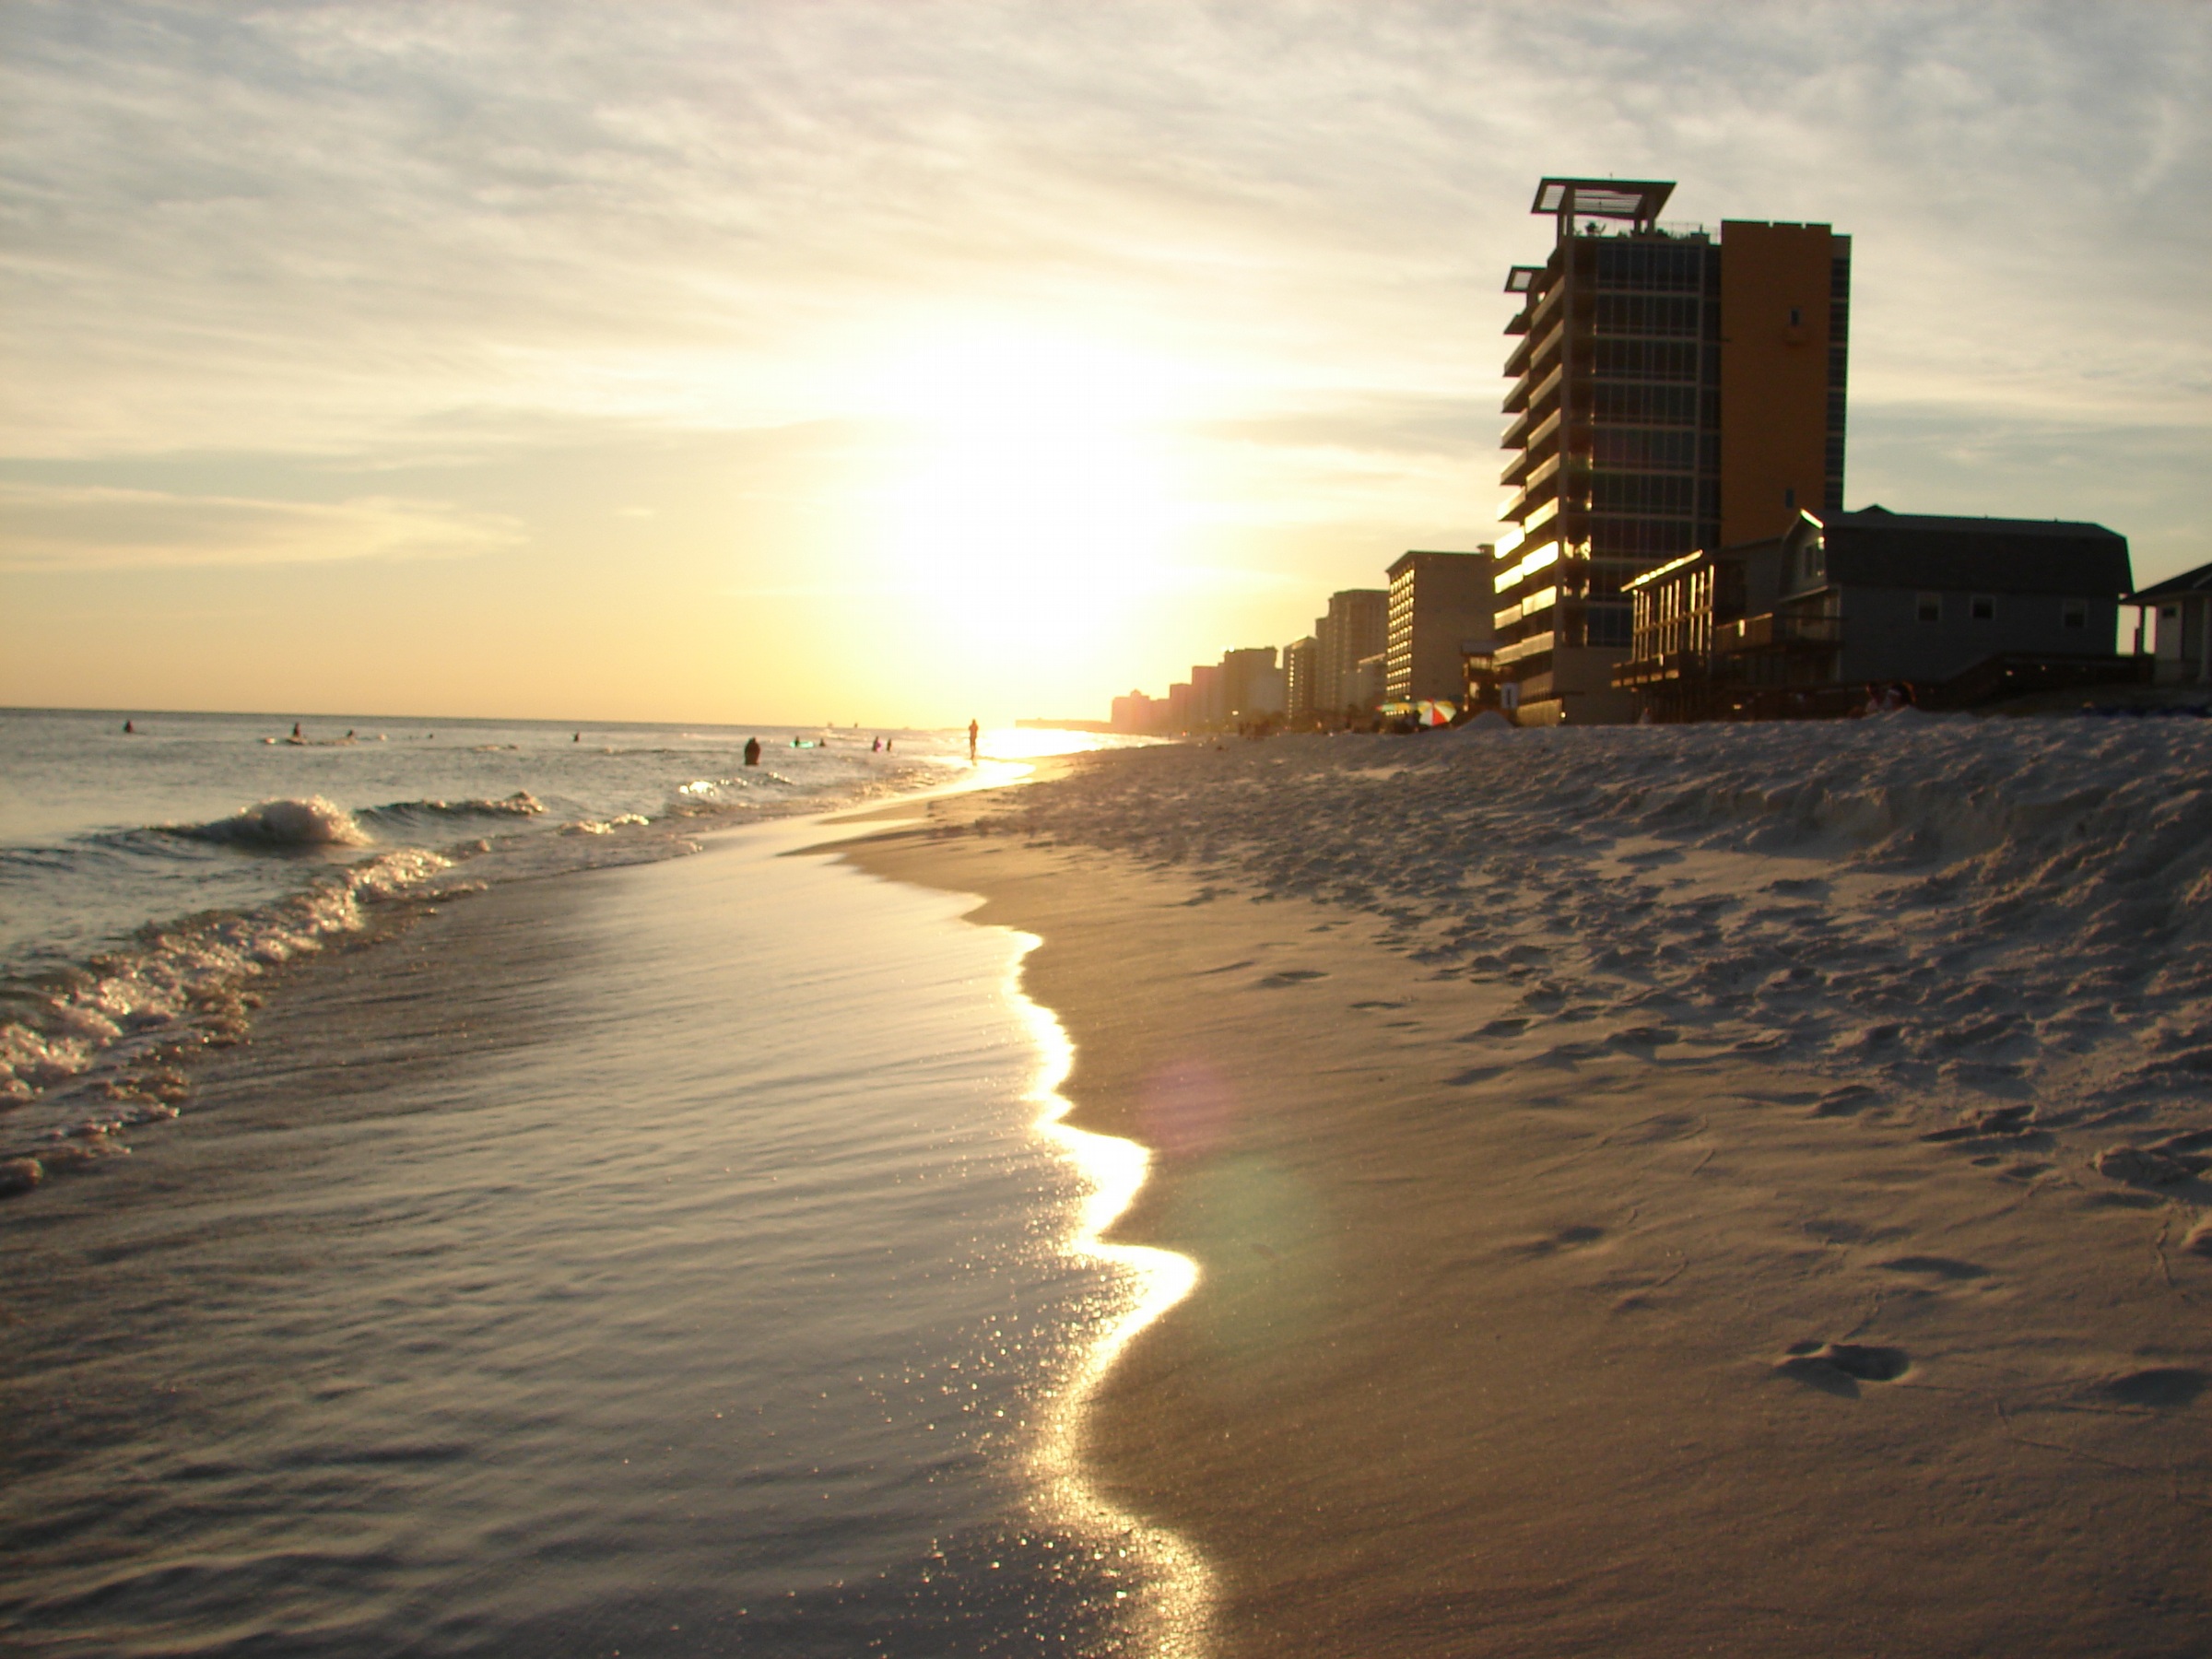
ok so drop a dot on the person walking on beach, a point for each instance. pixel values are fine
(971, 731)
(752, 751)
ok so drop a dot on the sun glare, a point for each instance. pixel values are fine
(1037, 505)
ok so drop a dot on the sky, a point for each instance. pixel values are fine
(895, 362)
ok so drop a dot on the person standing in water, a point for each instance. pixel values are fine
(971, 731)
(752, 751)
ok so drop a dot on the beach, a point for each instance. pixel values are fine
(1731, 1190)
(1703, 1191)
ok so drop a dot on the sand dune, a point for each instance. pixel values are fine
(1701, 1191)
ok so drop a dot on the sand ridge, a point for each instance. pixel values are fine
(1530, 1327)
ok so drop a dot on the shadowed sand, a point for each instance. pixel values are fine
(1505, 1344)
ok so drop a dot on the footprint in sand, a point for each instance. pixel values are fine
(1935, 1267)
(1290, 976)
(1844, 1101)
(2161, 1387)
(2146, 1166)
(1839, 1368)
(1567, 1238)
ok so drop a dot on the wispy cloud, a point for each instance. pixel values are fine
(47, 528)
(293, 223)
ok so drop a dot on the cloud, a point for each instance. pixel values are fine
(1373, 423)
(296, 226)
(61, 528)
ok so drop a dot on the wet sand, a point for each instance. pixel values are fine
(1612, 1346)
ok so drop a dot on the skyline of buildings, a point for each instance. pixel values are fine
(1677, 434)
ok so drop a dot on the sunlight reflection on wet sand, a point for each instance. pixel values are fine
(1179, 1583)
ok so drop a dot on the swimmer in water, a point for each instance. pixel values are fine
(128, 729)
(752, 751)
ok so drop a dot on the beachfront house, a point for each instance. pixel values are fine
(1805, 622)
(2182, 631)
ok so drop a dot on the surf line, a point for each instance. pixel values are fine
(1175, 1621)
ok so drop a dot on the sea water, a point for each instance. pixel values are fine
(148, 878)
(656, 1259)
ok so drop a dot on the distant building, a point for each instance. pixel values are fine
(1139, 714)
(1673, 389)
(1300, 658)
(1179, 707)
(1251, 687)
(1209, 704)
(1439, 614)
(1843, 600)
(2182, 633)
(1363, 686)
(1356, 625)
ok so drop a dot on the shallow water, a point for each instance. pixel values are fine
(664, 1260)
(148, 878)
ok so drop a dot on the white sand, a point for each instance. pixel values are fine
(1645, 1183)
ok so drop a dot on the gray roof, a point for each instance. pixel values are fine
(1876, 547)
(2189, 581)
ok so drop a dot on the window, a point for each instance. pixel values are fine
(2077, 613)
(1789, 500)
(1796, 317)
(1812, 564)
(1930, 607)
(1984, 608)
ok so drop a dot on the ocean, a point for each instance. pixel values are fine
(493, 1194)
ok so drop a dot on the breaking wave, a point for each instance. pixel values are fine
(115, 1025)
(313, 822)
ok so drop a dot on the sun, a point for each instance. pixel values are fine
(1035, 501)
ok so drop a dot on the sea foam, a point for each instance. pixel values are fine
(179, 986)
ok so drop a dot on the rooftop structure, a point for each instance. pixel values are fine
(1636, 201)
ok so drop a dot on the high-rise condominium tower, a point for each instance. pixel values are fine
(1673, 389)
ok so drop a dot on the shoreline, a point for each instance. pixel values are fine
(1611, 1348)
(559, 1179)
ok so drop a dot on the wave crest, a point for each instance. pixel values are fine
(313, 822)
